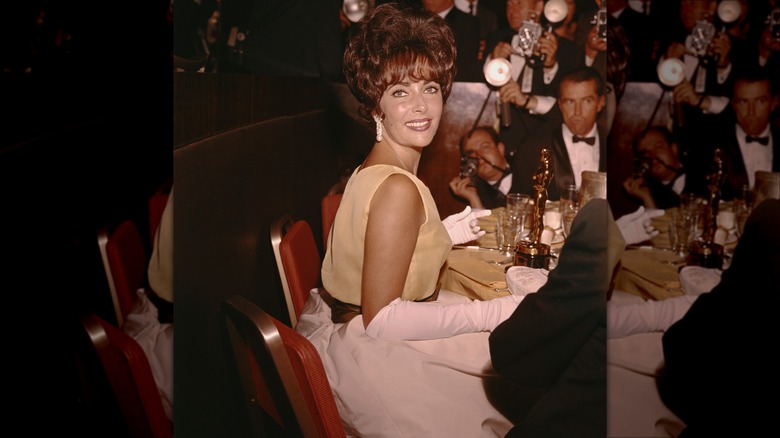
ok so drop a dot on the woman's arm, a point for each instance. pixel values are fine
(395, 216)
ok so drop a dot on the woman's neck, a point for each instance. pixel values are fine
(407, 158)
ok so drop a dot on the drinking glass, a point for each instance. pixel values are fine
(680, 230)
(517, 203)
(569, 196)
(569, 212)
(507, 227)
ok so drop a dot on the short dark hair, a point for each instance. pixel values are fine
(483, 128)
(584, 74)
(394, 41)
(665, 132)
(753, 75)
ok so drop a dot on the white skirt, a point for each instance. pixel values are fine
(432, 388)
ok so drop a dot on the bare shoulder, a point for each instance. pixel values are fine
(398, 197)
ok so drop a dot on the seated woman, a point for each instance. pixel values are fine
(387, 248)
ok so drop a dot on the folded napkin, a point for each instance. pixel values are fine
(523, 280)
(696, 280)
(650, 273)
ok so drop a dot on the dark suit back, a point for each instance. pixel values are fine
(467, 36)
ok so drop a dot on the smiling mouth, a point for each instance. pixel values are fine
(419, 125)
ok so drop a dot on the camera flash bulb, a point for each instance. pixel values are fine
(729, 11)
(498, 72)
(555, 10)
(671, 72)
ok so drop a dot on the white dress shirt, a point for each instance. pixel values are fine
(755, 155)
(581, 155)
(463, 5)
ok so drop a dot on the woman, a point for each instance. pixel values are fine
(387, 248)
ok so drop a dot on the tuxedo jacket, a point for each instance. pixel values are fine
(563, 173)
(467, 36)
(735, 174)
(551, 351)
(713, 359)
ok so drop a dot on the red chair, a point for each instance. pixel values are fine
(129, 377)
(329, 205)
(281, 373)
(298, 261)
(125, 263)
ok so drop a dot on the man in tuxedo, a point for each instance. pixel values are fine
(659, 177)
(578, 144)
(529, 96)
(465, 27)
(750, 144)
(495, 176)
(638, 27)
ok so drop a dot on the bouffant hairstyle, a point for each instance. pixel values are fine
(395, 41)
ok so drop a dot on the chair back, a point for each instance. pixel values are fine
(130, 378)
(329, 206)
(298, 261)
(125, 263)
(281, 374)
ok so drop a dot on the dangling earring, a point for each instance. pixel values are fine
(378, 121)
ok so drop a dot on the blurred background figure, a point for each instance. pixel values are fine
(659, 176)
(467, 38)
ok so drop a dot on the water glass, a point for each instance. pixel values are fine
(567, 217)
(507, 228)
(680, 231)
(517, 203)
(594, 185)
(569, 196)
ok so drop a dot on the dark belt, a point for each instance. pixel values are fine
(344, 312)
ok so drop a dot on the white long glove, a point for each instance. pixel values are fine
(411, 320)
(523, 280)
(646, 317)
(462, 227)
(637, 226)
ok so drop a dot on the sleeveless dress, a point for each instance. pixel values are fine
(431, 388)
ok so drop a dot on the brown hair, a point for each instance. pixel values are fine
(395, 41)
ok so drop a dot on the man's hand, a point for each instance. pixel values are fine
(721, 46)
(548, 45)
(460, 187)
(676, 50)
(502, 50)
(637, 188)
(684, 93)
(511, 93)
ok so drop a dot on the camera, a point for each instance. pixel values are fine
(468, 169)
(600, 20)
(526, 43)
(774, 23)
(642, 164)
(701, 37)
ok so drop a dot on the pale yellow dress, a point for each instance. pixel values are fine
(432, 388)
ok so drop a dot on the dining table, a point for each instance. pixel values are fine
(477, 269)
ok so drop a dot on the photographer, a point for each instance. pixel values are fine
(530, 96)
(659, 177)
(486, 175)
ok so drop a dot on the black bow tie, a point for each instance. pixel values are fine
(763, 140)
(589, 140)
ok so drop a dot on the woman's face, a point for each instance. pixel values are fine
(411, 112)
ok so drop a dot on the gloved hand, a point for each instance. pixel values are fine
(637, 226)
(523, 280)
(462, 227)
